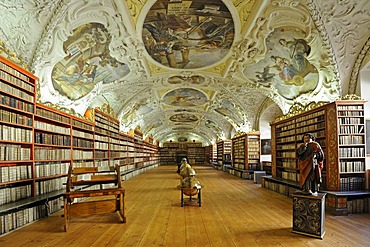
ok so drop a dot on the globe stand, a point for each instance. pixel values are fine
(190, 199)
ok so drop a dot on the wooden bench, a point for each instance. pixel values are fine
(102, 184)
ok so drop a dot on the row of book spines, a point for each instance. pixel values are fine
(52, 154)
(13, 194)
(351, 129)
(352, 139)
(15, 173)
(19, 83)
(52, 115)
(16, 103)
(290, 176)
(15, 118)
(358, 206)
(52, 139)
(14, 73)
(51, 169)
(47, 186)
(14, 153)
(352, 183)
(352, 166)
(10, 133)
(351, 152)
(52, 128)
(101, 128)
(16, 92)
(14, 220)
(101, 118)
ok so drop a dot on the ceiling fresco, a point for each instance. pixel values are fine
(88, 61)
(286, 66)
(185, 97)
(199, 70)
(179, 34)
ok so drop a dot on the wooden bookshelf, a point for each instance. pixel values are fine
(83, 139)
(339, 127)
(208, 151)
(52, 149)
(246, 151)
(224, 150)
(245, 155)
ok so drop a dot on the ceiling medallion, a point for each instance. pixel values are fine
(179, 34)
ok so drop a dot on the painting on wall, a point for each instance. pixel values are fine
(87, 62)
(185, 97)
(179, 34)
(265, 146)
(286, 66)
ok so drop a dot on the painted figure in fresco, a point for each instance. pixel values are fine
(294, 69)
(310, 162)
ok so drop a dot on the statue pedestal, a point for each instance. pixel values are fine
(309, 214)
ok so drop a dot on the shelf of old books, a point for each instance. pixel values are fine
(17, 106)
(102, 138)
(82, 142)
(224, 150)
(339, 127)
(52, 148)
(246, 151)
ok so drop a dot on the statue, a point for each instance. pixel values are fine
(310, 162)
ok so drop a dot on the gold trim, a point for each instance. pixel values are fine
(106, 108)
(350, 97)
(12, 56)
(298, 108)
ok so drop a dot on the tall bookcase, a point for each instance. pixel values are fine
(208, 150)
(246, 151)
(224, 149)
(339, 127)
(52, 149)
(83, 141)
(18, 93)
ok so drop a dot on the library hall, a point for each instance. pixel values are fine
(118, 127)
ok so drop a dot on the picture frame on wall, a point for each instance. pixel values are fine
(265, 146)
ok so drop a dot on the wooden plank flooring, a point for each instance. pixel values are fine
(235, 212)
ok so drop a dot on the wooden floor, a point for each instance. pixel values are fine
(235, 212)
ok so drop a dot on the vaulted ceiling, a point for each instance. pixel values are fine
(191, 70)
